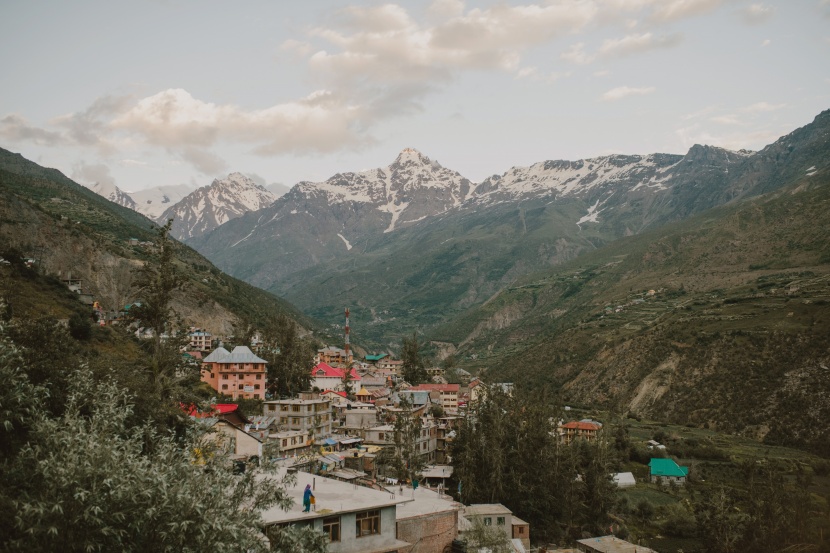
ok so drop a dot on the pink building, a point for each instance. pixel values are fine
(239, 374)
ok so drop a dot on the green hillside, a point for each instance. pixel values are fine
(721, 321)
(69, 229)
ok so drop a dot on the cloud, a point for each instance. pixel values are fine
(576, 54)
(726, 120)
(756, 14)
(637, 43)
(620, 47)
(132, 163)
(526, 72)
(96, 175)
(296, 47)
(204, 161)
(763, 107)
(16, 129)
(766, 42)
(88, 127)
(445, 9)
(625, 91)
(673, 10)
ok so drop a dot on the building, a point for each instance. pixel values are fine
(308, 413)
(334, 356)
(491, 514)
(583, 430)
(610, 544)
(201, 340)
(448, 393)
(375, 359)
(664, 471)
(355, 519)
(326, 377)
(521, 531)
(429, 520)
(624, 480)
(239, 374)
(393, 365)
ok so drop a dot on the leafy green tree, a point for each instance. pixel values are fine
(290, 357)
(413, 368)
(404, 457)
(484, 537)
(92, 484)
(155, 282)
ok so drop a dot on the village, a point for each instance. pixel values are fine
(332, 437)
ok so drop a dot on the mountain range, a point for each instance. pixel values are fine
(413, 244)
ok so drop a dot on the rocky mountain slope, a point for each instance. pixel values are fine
(208, 207)
(67, 228)
(721, 320)
(113, 194)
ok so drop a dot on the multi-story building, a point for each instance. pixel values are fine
(448, 393)
(334, 356)
(308, 413)
(584, 430)
(326, 377)
(239, 374)
(201, 340)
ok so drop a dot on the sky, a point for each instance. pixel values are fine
(165, 92)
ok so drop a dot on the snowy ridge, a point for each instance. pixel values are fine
(152, 202)
(211, 206)
(112, 193)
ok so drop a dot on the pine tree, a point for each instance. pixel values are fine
(413, 368)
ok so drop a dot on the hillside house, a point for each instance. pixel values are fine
(308, 413)
(392, 365)
(375, 359)
(448, 393)
(355, 519)
(200, 340)
(334, 357)
(579, 430)
(490, 514)
(326, 377)
(663, 471)
(239, 374)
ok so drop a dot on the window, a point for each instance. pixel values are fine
(256, 386)
(367, 523)
(212, 375)
(331, 526)
(259, 377)
(224, 386)
(241, 387)
(521, 529)
(283, 420)
(488, 521)
(295, 408)
(380, 436)
(500, 521)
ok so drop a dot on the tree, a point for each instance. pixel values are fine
(290, 357)
(403, 456)
(490, 538)
(413, 368)
(155, 283)
(92, 484)
(347, 382)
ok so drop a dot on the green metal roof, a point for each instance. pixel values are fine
(667, 467)
(376, 357)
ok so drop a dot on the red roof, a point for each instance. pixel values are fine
(341, 394)
(218, 409)
(577, 425)
(439, 387)
(225, 408)
(331, 372)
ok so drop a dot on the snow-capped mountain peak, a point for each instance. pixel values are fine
(111, 192)
(211, 206)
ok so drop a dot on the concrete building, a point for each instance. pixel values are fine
(491, 514)
(356, 519)
(663, 471)
(200, 340)
(308, 413)
(429, 521)
(334, 357)
(448, 393)
(239, 374)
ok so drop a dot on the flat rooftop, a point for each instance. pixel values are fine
(332, 496)
(422, 502)
(613, 544)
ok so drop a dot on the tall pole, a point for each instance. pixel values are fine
(348, 346)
